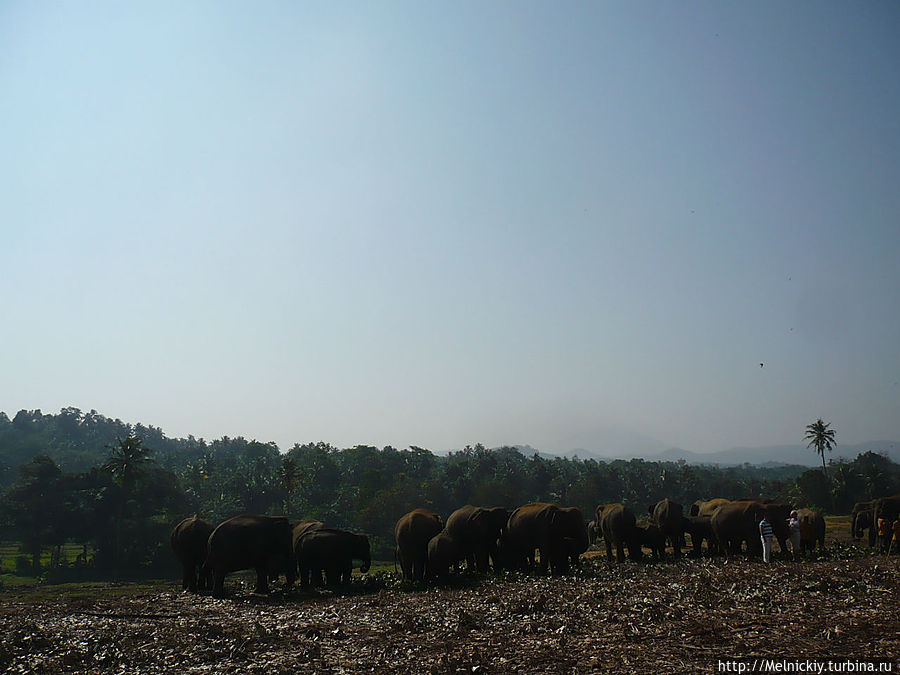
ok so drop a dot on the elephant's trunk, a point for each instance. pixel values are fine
(366, 564)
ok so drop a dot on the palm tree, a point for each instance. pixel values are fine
(819, 435)
(126, 463)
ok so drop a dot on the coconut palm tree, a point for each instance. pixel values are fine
(126, 463)
(126, 460)
(819, 435)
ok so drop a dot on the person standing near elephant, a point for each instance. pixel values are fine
(794, 526)
(766, 535)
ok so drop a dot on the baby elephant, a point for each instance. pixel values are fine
(654, 539)
(332, 552)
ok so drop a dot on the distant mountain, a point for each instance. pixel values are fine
(775, 455)
(783, 454)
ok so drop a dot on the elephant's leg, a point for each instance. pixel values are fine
(620, 552)
(609, 555)
(192, 578)
(186, 573)
(676, 545)
(562, 563)
(262, 580)
(203, 581)
(481, 561)
(472, 563)
(218, 584)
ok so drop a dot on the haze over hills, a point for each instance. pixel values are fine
(774, 454)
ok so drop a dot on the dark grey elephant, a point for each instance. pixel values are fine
(619, 529)
(189, 541)
(861, 519)
(261, 543)
(332, 552)
(444, 552)
(476, 530)
(558, 533)
(412, 533)
(668, 515)
(653, 538)
(888, 509)
(812, 530)
(700, 529)
(738, 522)
(300, 528)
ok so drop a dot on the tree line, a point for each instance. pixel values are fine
(119, 488)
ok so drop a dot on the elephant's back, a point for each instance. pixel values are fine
(417, 526)
(617, 521)
(191, 535)
(303, 528)
(708, 507)
(667, 513)
(251, 531)
(458, 524)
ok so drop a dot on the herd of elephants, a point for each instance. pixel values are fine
(428, 548)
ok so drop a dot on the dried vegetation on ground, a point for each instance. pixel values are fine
(672, 617)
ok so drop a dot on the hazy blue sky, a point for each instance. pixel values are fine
(428, 223)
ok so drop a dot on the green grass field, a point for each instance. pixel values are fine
(9, 551)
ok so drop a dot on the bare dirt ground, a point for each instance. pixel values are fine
(671, 617)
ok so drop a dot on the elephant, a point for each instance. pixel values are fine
(559, 533)
(700, 528)
(653, 538)
(707, 507)
(887, 508)
(738, 522)
(812, 529)
(412, 533)
(301, 528)
(444, 551)
(255, 542)
(861, 519)
(619, 529)
(476, 531)
(189, 541)
(668, 515)
(331, 551)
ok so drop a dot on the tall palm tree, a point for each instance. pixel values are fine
(126, 462)
(819, 435)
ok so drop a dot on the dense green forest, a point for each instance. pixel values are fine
(119, 488)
